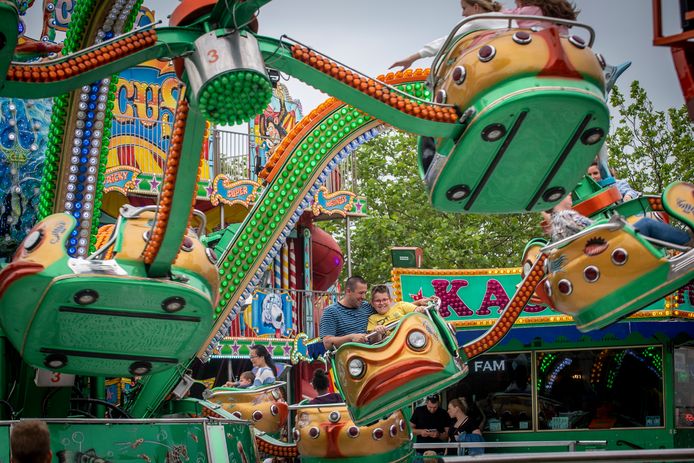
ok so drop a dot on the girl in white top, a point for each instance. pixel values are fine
(555, 8)
(470, 7)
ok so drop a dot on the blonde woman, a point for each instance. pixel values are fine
(463, 428)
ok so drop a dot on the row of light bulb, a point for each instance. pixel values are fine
(84, 163)
(305, 204)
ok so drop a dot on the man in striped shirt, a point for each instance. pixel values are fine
(346, 320)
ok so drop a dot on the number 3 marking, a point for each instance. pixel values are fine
(212, 56)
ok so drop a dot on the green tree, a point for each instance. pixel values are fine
(400, 215)
(650, 148)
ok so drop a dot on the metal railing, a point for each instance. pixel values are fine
(571, 445)
(231, 153)
(660, 455)
(234, 155)
(344, 176)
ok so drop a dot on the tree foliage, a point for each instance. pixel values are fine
(400, 215)
(650, 148)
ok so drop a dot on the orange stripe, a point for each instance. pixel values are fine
(598, 202)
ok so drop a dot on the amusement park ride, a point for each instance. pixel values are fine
(166, 298)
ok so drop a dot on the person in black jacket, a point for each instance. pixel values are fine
(430, 423)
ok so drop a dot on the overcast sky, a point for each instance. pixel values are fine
(369, 35)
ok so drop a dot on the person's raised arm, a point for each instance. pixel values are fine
(406, 62)
(430, 49)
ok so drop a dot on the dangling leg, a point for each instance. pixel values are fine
(661, 231)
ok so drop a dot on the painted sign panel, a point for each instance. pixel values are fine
(338, 203)
(477, 297)
(240, 443)
(272, 313)
(23, 137)
(233, 192)
(146, 99)
(272, 125)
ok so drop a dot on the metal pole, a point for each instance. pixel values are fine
(592, 456)
(98, 391)
(308, 284)
(216, 161)
(289, 398)
(4, 412)
(250, 164)
(348, 244)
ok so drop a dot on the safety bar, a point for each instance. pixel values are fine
(564, 22)
(130, 212)
(315, 406)
(570, 444)
(661, 455)
(665, 244)
(229, 391)
(615, 223)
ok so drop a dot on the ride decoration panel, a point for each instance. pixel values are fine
(475, 298)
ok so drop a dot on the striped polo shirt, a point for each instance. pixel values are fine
(338, 320)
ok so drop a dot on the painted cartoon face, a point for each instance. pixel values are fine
(545, 54)
(272, 312)
(260, 406)
(103, 286)
(592, 278)
(412, 362)
(43, 246)
(328, 432)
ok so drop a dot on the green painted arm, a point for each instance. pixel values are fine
(171, 42)
(234, 14)
(183, 193)
(154, 389)
(277, 55)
